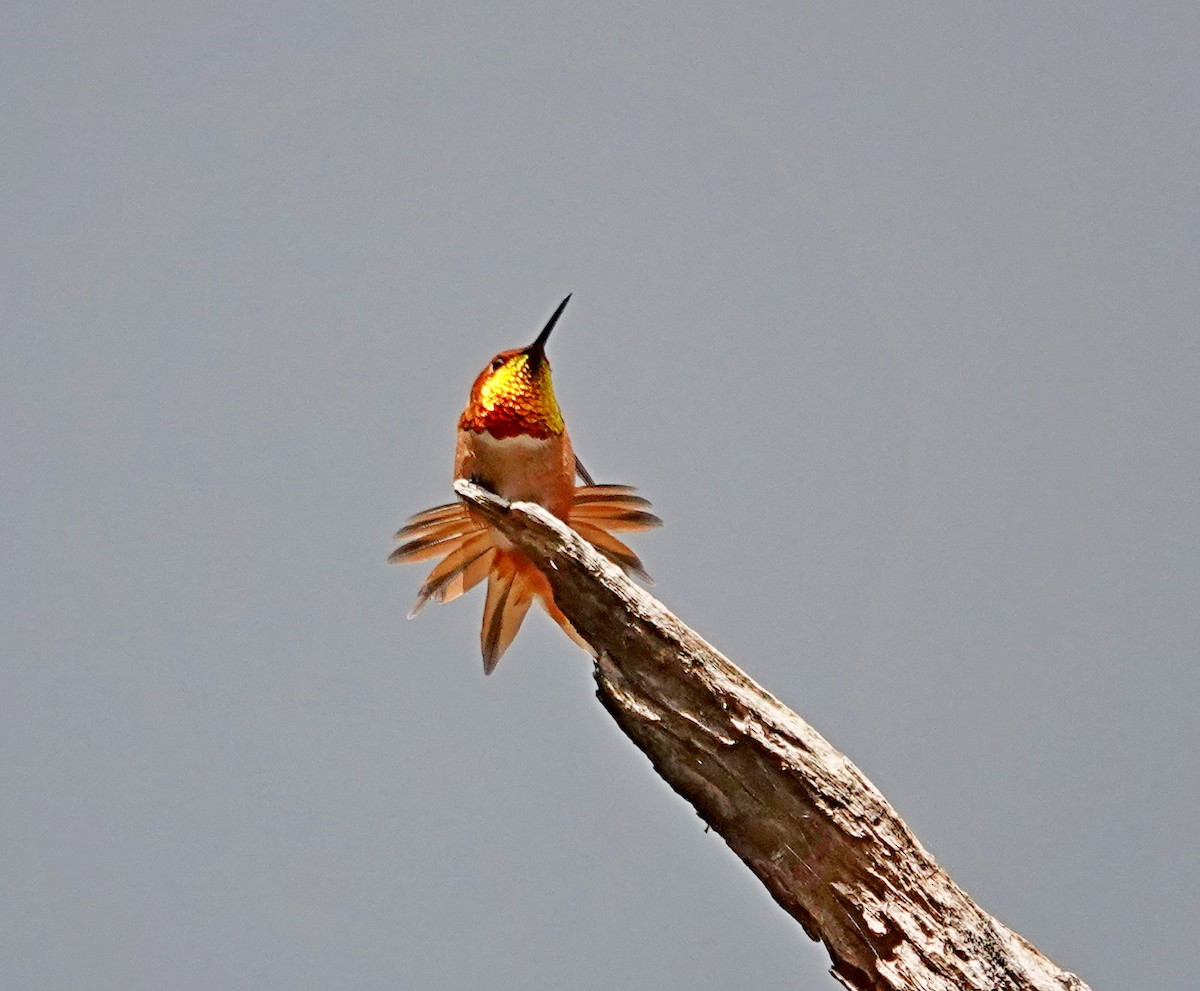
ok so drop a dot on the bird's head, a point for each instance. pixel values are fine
(514, 394)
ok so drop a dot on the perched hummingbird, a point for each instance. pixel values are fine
(512, 441)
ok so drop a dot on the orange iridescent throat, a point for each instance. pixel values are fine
(514, 399)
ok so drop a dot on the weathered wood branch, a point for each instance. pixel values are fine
(821, 838)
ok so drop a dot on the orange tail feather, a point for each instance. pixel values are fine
(471, 550)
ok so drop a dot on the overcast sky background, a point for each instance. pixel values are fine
(892, 313)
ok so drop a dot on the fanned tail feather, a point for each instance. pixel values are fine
(466, 546)
(509, 595)
(471, 551)
(458, 572)
(513, 584)
(598, 510)
(436, 531)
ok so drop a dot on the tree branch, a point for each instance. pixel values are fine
(821, 838)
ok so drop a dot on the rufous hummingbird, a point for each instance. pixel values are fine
(512, 440)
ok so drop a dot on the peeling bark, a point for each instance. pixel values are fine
(821, 838)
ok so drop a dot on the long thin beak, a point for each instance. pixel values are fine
(537, 348)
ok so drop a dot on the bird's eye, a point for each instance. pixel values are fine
(497, 363)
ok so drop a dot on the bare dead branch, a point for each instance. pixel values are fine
(827, 845)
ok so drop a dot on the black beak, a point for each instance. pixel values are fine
(537, 349)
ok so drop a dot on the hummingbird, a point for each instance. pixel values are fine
(512, 440)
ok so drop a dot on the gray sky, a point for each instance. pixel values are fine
(891, 313)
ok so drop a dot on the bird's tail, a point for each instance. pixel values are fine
(471, 550)
(599, 510)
